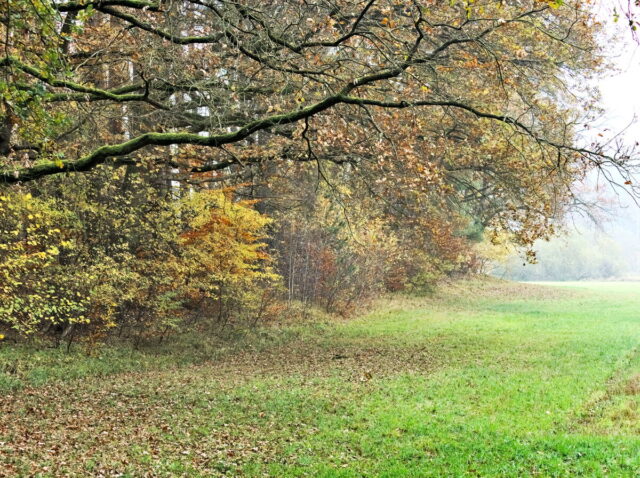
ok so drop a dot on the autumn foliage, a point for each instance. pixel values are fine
(188, 165)
(72, 266)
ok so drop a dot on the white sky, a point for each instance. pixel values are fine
(621, 92)
(620, 99)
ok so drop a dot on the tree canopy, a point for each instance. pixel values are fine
(116, 77)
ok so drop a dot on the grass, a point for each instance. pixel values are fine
(486, 378)
(35, 365)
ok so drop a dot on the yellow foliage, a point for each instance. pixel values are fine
(495, 248)
(204, 250)
(31, 291)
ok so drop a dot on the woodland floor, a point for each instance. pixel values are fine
(486, 378)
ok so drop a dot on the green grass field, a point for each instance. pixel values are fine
(485, 379)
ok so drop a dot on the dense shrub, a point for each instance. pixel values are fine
(141, 264)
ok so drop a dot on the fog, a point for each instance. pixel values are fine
(603, 242)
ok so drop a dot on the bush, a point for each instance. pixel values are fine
(141, 264)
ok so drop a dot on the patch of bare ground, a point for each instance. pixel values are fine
(462, 293)
(129, 424)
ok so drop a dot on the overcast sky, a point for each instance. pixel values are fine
(621, 92)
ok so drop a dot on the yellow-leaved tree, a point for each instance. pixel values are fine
(223, 254)
(36, 291)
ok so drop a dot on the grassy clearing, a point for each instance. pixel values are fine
(485, 379)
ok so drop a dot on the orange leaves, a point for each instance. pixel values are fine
(222, 241)
(388, 23)
(214, 224)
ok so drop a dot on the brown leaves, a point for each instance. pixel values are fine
(143, 423)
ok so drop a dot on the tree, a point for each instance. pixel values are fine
(116, 79)
(423, 124)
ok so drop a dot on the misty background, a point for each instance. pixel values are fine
(605, 242)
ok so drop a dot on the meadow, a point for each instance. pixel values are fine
(484, 378)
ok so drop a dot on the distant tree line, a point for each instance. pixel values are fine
(569, 258)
